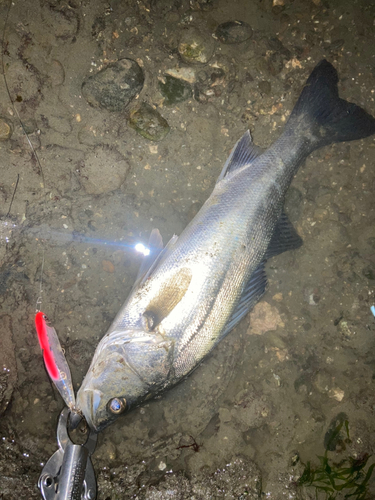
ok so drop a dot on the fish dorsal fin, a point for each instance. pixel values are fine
(155, 244)
(284, 238)
(243, 153)
(157, 252)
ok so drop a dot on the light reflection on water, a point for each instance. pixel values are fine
(62, 237)
(6, 230)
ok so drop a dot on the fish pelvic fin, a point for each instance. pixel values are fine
(322, 117)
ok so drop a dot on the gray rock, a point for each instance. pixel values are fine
(115, 86)
(174, 90)
(195, 47)
(233, 32)
(276, 45)
(148, 122)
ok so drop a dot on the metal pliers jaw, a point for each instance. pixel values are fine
(69, 474)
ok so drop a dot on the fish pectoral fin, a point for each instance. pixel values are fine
(284, 238)
(243, 153)
(151, 261)
(251, 294)
(170, 294)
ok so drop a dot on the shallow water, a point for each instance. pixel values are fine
(271, 389)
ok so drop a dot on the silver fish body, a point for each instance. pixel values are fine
(199, 287)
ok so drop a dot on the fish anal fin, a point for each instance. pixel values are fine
(284, 238)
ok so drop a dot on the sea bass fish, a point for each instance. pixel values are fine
(190, 294)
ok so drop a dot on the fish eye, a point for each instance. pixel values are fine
(117, 405)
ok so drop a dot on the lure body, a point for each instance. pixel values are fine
(54, 359)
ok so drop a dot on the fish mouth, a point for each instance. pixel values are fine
(88, 402)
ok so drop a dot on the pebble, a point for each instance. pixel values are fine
(115, 86)
(6, 129)
(278, 297)
(336, 393)
(219, 77)
(195, 47)
(264, 318)
(265, 87)
(276, 341)
(186, 74)
(261, 65)
(322, 381)
(233, 32)
(108, 266)
(148, 122)
(174, 90)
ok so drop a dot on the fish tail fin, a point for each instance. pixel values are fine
(322, 117)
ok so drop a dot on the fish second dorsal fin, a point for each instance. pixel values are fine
(243, 153)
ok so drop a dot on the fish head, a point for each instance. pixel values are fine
(129, 367)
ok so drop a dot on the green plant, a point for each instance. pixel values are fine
(349, 477)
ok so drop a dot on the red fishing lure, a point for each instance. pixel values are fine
(54, 359)
(42, 331)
